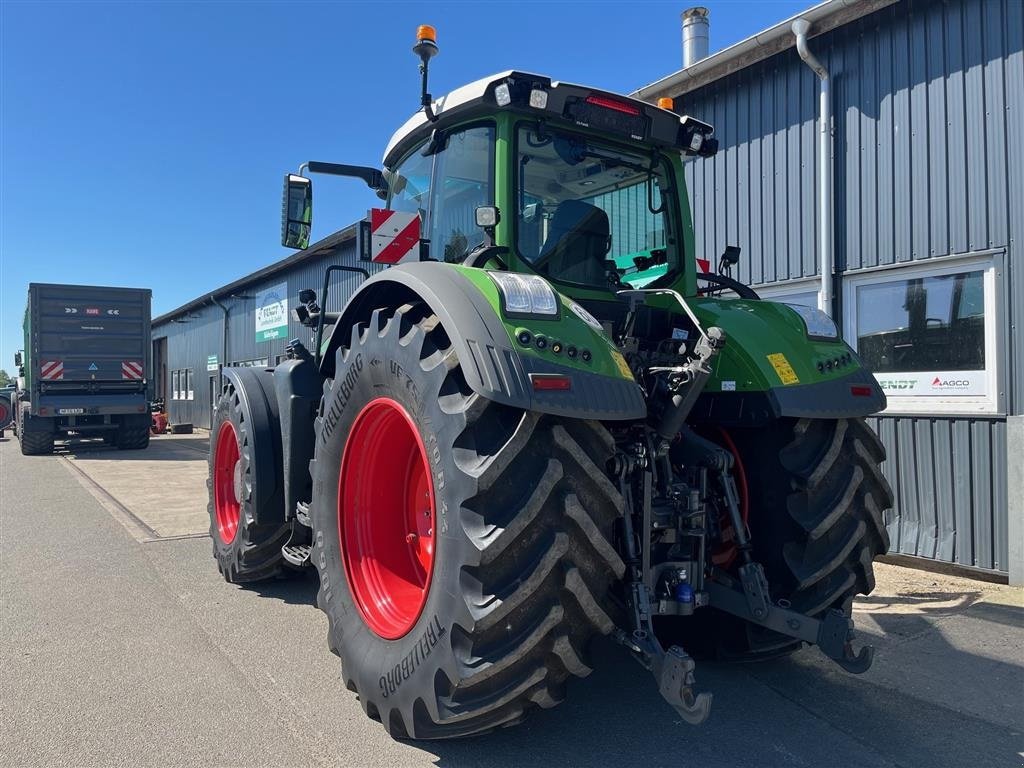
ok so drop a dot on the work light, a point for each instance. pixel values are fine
(818, 324)
(523, 295)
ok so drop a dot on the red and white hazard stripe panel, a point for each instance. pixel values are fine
(394, 236)
(131, 369)
(52, 370)
(704, 264)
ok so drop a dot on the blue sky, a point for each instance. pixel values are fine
(143, 144)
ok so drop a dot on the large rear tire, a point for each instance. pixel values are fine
(817, 504)
(246, 498)
(488, 601)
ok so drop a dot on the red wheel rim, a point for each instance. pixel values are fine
(3, 413)
(227, 480)
(386, 518)
(724, 555)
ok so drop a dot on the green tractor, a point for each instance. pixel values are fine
(544, 423)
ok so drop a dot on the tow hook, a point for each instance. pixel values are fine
(675, 683)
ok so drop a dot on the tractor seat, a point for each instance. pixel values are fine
(577, 243)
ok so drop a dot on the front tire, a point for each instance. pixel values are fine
(246, 499)
(497, 616)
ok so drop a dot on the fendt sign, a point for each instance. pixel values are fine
(272, 313)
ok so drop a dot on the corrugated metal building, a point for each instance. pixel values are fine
(928, 196)
(928, 205)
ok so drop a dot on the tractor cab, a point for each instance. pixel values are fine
(518, 171)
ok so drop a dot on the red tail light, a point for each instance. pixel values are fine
(543, 382)
(618, 106)
(858, 390)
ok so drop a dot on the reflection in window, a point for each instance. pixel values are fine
(934, 323)
(409, 184)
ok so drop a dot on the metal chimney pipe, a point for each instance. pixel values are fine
(695, 35)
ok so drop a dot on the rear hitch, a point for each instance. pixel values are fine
(673, 669)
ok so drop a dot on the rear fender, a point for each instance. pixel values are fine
(494, 365)
(771, 368)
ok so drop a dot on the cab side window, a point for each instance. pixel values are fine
(463, 180)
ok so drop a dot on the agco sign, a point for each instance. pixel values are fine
(940, 383)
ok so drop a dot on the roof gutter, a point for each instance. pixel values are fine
(826, 250)
(823, 17)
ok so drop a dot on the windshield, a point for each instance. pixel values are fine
(589, 213)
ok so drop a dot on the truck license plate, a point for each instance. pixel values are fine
(70, 411)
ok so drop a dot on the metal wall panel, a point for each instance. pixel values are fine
(950, 492)
(928, 127)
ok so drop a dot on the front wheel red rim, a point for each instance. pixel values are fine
(386, 518)
(227, 508)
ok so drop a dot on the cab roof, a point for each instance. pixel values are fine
(563, 102)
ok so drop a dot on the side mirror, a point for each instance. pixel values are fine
(296, 211)
(17, 359)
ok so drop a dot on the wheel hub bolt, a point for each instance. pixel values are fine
(410, 538)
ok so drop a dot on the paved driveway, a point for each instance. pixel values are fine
(120, 647)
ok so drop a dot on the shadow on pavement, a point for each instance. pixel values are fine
(297, 589)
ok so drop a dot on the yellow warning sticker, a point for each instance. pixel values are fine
(782, 367)
(623, 365)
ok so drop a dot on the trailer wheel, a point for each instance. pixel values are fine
(246, 500)
(32, 443)
(817, 504)
(463, 547)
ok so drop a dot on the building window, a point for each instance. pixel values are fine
(188, 393)
(176, 385)
(259, 362)
(928, 332)
(802, 292)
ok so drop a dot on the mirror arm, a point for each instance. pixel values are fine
(374, 178)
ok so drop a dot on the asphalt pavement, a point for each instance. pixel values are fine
(121, 649)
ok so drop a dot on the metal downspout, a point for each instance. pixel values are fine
(825, 240)
(223, 343)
